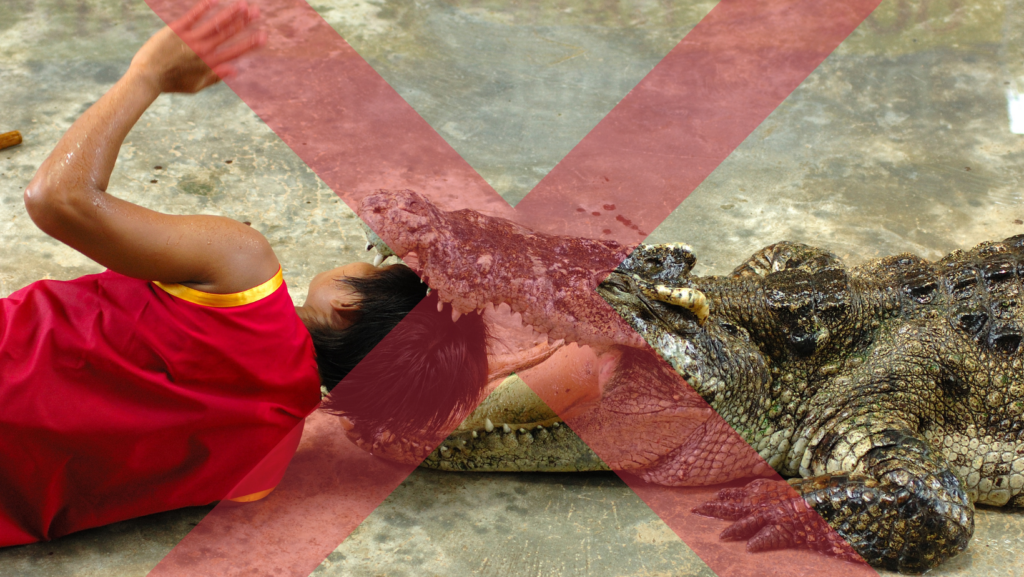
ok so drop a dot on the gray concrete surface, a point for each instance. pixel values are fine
(899, 142)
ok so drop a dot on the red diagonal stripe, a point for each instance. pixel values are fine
(688, 114)
(358, 135)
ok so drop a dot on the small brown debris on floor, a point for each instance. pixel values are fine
(9, 139)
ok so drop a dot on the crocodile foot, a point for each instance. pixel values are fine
(772, 515)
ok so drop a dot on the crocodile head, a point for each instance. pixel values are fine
(713, 357)
(890, 376)
(594, 372)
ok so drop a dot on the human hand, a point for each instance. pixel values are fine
(195, 52)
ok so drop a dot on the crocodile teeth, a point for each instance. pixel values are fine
(455, 315)
(443, 449)
(369, 246)
(440, 305)
(522, 431)
(506, 428)
(379, 258)
(488, 425)
(556, 424)
(475, 435)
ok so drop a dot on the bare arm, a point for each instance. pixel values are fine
(67, 198)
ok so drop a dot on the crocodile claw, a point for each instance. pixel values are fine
(771, 515)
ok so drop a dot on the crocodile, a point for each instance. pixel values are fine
(891, 393)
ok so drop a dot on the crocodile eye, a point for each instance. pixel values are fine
(731, 329)
(616, 282)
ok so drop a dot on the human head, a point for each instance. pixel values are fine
(424, 368)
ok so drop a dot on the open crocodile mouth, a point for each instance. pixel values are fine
(515, 430)
(539, 293)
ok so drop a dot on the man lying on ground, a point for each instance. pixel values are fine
(162, 382)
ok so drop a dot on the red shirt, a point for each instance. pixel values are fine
(121, 397)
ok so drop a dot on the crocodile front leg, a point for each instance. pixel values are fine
(903, 509)
(714, 453)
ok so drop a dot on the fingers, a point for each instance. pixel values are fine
(244, 44)
(225, 33)
(237, 16)
(194, 14)
(228, 26)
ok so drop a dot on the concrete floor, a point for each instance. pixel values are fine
(900, 141)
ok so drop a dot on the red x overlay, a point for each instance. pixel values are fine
(661, 141)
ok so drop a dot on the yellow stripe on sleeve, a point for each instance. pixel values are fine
(252, 496)
(223, 300)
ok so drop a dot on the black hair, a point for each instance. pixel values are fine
(402, 366)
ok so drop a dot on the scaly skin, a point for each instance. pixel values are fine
(893, 391)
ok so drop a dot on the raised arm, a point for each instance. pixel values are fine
(67, 198)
